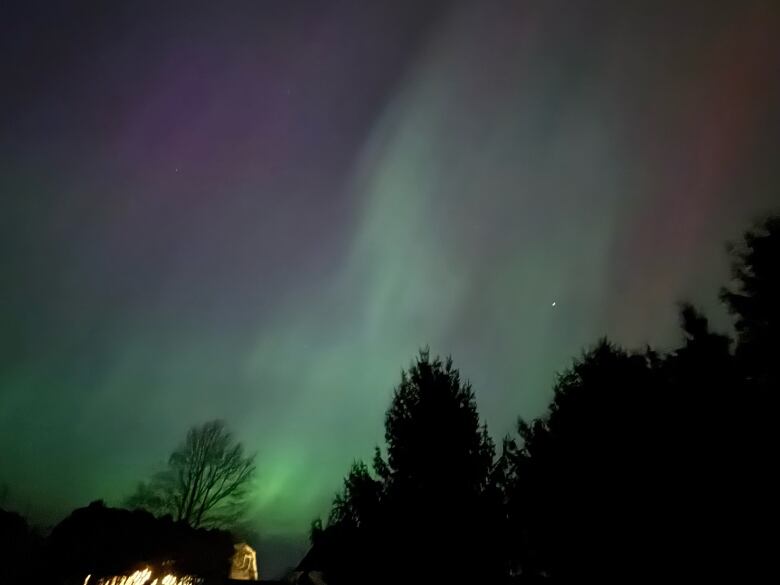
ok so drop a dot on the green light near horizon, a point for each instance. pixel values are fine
(214, 246)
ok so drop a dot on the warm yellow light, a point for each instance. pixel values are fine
(142, 577)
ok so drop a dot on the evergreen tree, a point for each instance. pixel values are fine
(581, 475)
(429, 511)
(753, 301)
(437, 475)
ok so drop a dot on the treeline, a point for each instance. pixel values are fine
(183, 520)
(101, 541)
(647, 464)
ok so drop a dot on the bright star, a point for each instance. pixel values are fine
(553, 303)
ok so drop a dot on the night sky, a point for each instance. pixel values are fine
(259, 211)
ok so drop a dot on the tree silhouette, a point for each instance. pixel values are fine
(206, 480)
(433, 433)
(653, 464)
(348, 548)
(358, 504)
(436, 475)
(646, 465)
(753, 301)
(427, 513)
(579, 477)
(20, 548)
(103, 541)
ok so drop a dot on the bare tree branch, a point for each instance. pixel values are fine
(206, 481)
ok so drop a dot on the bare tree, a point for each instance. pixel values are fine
(206, 481)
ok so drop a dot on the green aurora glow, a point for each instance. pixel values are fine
(266, 222)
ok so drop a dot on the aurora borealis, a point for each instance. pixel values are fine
(258, 211)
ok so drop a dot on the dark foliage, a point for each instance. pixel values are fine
(647, 465)
(650, 465)
(753, 300)
(20, 548)
(436, 478)
(99, 540)
(428, 509)
(616, 482)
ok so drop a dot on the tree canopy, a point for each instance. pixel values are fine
(646, 464)
(206, 480)
(428, 501)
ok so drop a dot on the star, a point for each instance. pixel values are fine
(554, 303)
